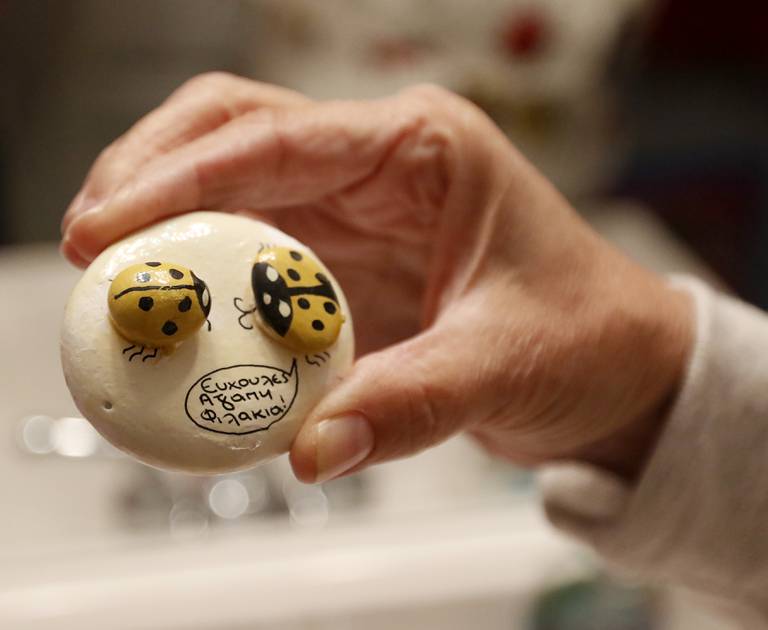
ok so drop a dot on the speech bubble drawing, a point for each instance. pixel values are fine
(242, 399)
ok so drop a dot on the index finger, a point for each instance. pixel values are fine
(200, 106)
(279, 158)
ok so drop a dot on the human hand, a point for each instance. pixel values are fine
(482, 302)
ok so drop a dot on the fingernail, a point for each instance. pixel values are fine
(75, 236)
(66, 221)
(71, 218)
(69, 252)
(79, 205)
(341, 443)
(89, 211)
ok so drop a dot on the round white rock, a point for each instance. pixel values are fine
(223, 400)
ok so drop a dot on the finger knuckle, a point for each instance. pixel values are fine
(415, 418)
(424, 149)
(448, 105)
(105, 155)
(423, 428)
(438, 98)
(103, 164)
(213, 80)
(429, 91)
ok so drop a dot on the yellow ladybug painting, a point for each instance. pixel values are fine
(156, 305)
(295, 300)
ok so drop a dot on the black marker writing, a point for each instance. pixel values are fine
(242, 399)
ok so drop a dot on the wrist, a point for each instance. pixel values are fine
(626, 450)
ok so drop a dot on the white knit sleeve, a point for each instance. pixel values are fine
(698, 515)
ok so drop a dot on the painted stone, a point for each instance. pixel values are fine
(211, 398)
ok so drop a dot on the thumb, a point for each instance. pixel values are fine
(393, 403)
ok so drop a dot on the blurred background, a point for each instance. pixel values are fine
(650, 115)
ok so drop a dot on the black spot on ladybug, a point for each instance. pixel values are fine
(185, 304)
(303, 303)
(176, 274)
(317, 324)
(152, 264)
(146, 303)
(144, 276)
(169, 328)
(296, 255)
(322, 278)
(329, 307)
(294, 275)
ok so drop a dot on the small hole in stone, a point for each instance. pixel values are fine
(107, 405)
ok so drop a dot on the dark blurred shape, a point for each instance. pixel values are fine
(695, 97)
(595, 604)
(22, 61)
(77, 73)
(700, 32)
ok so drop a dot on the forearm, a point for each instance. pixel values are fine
(696, 515)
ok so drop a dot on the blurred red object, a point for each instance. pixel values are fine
(526, 33)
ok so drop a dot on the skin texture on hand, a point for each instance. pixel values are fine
(482, 302)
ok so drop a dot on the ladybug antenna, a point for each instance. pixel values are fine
(244, 312)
